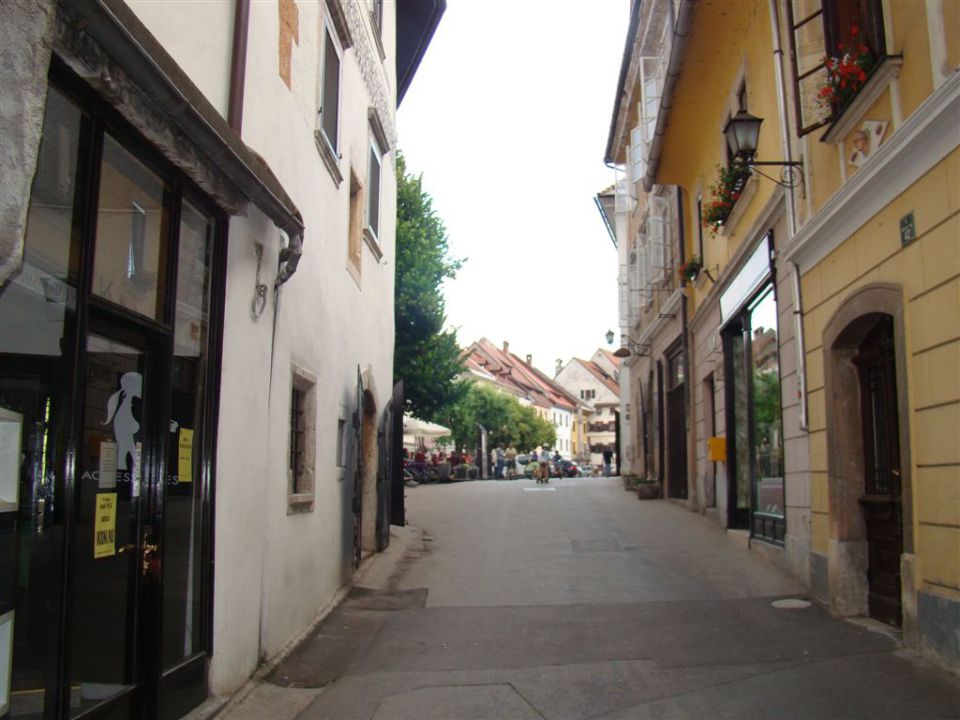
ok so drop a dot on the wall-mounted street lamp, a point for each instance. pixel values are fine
(627, 349)
(743, 135)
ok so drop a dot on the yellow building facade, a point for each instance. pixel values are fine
(820, 279)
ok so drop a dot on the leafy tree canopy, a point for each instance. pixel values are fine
(506, 420)
(426, 357)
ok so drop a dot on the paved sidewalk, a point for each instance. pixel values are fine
(575, 600)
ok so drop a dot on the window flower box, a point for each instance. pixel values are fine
(724, 193)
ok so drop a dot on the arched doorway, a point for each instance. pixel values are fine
(867, 454)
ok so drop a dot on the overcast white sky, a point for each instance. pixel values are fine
(507, 119)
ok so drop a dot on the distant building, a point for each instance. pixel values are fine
(486, 363)
(599, 394)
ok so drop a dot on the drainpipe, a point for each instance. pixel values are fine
(685, 344)
(238, 64)
(791, 212)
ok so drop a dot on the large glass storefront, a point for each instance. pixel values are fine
(754, 417)
(107, 399)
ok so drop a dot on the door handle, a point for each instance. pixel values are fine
(150, 556)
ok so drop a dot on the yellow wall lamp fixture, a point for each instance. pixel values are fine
(743, 133)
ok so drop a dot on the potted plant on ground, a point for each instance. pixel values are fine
(648, 488)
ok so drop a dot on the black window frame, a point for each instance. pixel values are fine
(100, 119)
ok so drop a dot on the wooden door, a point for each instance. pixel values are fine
(881, 499)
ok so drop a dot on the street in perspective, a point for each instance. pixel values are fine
(575, 600)
(454, 359)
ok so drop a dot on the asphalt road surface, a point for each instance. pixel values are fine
(576, 600)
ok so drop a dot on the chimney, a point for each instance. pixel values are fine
(559, 366)
(529, 359)
(506, 348)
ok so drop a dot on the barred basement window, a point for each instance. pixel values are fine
(302, 451)
(297, 438)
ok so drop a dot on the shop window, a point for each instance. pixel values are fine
(755, 418)
(824, 30)
(132, 229)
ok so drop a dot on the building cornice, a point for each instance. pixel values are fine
(926, 137)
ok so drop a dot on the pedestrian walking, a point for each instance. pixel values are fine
(544, 466)
(607, 460)
(510, 457)
(501, 460)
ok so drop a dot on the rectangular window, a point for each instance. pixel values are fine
(330, 92)
(341, 443)
(755, 436)
(373, 193)
(303, 442)
(828, 29)
(297, 438)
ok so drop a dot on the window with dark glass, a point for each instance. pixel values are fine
(110, 284)
(298, 432)
(751, 342)
(330, 91)
(824, 29)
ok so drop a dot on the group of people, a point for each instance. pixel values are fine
(505, 467)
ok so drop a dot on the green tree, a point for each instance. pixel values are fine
(506, 420)
(426, 357)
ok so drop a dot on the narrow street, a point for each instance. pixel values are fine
(576, 600)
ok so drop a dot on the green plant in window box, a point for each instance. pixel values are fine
(724, 193)
(690, 270)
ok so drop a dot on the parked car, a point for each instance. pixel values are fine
(569, 468)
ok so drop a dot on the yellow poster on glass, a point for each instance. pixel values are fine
(105, 526)
(185, 456)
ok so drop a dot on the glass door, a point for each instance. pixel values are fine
(112, 546)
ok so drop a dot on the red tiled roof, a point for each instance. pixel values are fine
(516, 376)
(601, 375)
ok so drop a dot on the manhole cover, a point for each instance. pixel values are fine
(790, 604)
(595, 546)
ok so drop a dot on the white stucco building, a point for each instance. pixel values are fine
(588, 381)
(196, 278)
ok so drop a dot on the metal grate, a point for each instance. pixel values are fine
(297, 437)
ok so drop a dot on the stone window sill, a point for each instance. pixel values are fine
(299, 503)
(330, 159)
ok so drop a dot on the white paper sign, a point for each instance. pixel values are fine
(135, 475)
(108, 465)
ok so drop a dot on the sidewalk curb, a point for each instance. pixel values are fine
(378, 568)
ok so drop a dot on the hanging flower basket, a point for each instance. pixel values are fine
(724, 193)
(846, 73)
(690, 270)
